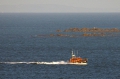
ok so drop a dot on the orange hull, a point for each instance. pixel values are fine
(77, 60)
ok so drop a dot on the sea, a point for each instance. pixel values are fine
(20, 48)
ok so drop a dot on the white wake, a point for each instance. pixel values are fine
(54, 62)
(46, 63)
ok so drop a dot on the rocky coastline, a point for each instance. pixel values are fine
(85, 32)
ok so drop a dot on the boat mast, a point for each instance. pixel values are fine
(77, 52)
(73, 55)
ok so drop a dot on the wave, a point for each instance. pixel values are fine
(57, 62)
(46, 63)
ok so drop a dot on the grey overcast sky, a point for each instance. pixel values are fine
(59, 6)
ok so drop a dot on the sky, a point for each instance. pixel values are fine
(59, 6)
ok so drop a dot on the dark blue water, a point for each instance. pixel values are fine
(17, 45)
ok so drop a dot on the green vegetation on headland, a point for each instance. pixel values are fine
(91, 32)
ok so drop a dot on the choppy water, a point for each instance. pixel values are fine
(17, 45)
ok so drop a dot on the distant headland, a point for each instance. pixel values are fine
(86, 32)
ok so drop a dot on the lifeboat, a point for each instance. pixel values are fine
(77, 60)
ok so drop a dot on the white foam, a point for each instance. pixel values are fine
(46, 63)
(16, 62)
(54, 62)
